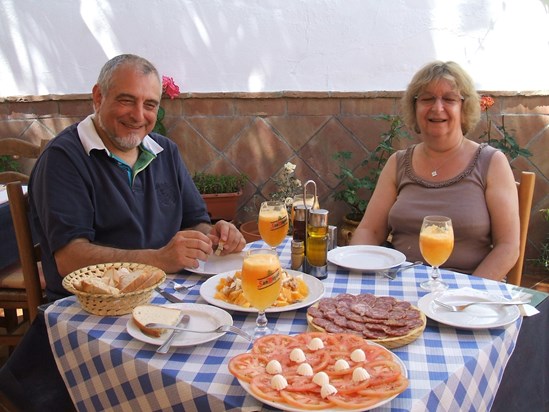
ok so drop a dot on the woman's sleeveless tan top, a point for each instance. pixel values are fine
(461, 198)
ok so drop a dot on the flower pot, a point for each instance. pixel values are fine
(222, 206)
(250, 231)
(346, 231)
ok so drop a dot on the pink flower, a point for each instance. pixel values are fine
(169, 87)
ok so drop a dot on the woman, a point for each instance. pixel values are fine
(446, 174)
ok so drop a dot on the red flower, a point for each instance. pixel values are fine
(169, 87)
(486, 102)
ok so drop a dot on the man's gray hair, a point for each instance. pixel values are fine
(140, 63)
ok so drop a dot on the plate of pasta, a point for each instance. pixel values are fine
(299, 290)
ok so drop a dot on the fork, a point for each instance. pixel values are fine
(183, 288)
(393, 272)
(219, 329)
(459, 308)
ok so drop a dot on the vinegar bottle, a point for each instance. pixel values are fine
(316, 245)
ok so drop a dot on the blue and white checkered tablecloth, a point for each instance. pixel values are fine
(105, 368)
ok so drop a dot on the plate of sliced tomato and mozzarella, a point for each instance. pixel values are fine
(320, 371)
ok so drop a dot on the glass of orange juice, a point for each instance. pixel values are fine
(273, 222)
(261, 283)
(436, 242)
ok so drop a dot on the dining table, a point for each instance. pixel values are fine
(449, 368)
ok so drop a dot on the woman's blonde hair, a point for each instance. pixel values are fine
(432, 72)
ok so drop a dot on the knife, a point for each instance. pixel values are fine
(165, 347)
(168, 296)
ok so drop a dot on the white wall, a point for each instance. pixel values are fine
(58, 46)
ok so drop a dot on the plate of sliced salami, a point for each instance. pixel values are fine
(382, 319)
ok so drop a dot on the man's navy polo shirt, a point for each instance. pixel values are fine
(73, 195)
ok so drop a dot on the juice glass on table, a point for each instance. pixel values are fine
(261, 284)
(436, 242)
(273, 222)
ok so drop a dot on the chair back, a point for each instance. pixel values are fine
(18, 149)
(29, 253)
(525, 194)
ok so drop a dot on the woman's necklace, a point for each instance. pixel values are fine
(435, 170)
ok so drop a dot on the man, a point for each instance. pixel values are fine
(105, 190)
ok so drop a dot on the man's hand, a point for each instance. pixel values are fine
(185, 249)
(227, 238)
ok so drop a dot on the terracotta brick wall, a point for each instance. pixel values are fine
(257, 133)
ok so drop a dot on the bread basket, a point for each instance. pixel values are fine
(106, 304)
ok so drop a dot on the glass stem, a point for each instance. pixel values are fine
(435, 274)
(261, 320)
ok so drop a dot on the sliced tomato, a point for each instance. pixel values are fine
(272, 344)
(303, 339)
(306, 400)
(354, 401)
(383, 371)
(345, 384)
(345, 342)
(335, 356)
(375, 352)
(247, 365)
(261, 387)
(298, 383)
(387, 389)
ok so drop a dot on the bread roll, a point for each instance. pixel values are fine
(153, 313)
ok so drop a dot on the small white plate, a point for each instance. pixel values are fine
(366, 258)
(290, 408)
(473, 317)
(219, 264)
(202, 317)
(316, 291)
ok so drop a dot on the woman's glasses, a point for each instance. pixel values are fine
(447, 100)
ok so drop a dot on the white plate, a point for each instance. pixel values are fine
(473, 317)
(366, 258)
(290, 408)
(316, 291)
(219, 264)
(203, 317)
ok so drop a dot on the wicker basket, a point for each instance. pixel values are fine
(389, 343)
(109, 305)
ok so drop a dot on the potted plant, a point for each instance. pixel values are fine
(221, 193)
(354, 191)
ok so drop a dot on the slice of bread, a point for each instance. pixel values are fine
(153, 278)
(132, 281)
(145, 314)
(96, 285)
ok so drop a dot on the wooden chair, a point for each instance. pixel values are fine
(21, 286)
(18, 149)
(525, 194)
